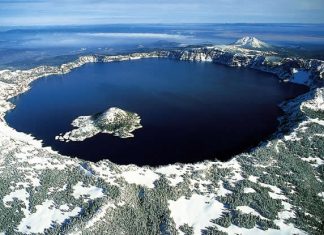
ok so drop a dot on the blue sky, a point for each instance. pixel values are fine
(66, 12)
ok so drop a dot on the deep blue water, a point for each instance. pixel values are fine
(30, 46)
(190, 111)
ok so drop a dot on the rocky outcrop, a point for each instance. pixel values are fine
(114, 121)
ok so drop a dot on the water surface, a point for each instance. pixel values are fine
(190, 111)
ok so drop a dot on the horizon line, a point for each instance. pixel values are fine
(173, 23)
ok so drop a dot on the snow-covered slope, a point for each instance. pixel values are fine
(251, 43)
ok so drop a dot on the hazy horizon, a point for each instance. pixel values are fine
(99, 12)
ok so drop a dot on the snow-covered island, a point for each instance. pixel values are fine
(276, 188)
(113, 121)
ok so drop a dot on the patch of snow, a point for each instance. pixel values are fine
(34, 180)
(221, 190)
(319, 135)
(19, 194)
(234, 168)
(275, 189)
(45, 217)
(64, 207)
(169, 170)
(316, 161)
(174, 181)
(318, 178)
(172, 172)
(248, 190)
(276, 192)
(316, 104)
(321, 194)
(43, 162)
(292, 137)
(253, 178)
(197, 211)
(287, 212)
(92, 192)
(284, 228)
(317, 121)
(249, 210)
(6, 131)
(277, 144)
(277, 196)
(143, 177)
(103, 170)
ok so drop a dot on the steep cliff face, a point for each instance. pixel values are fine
(259, 60)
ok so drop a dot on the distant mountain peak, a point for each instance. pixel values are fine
(251, 42)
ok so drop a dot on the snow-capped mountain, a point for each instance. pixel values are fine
(251, 43)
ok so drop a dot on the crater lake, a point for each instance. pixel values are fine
(189, 111)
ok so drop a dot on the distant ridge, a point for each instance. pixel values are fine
(251, 43)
